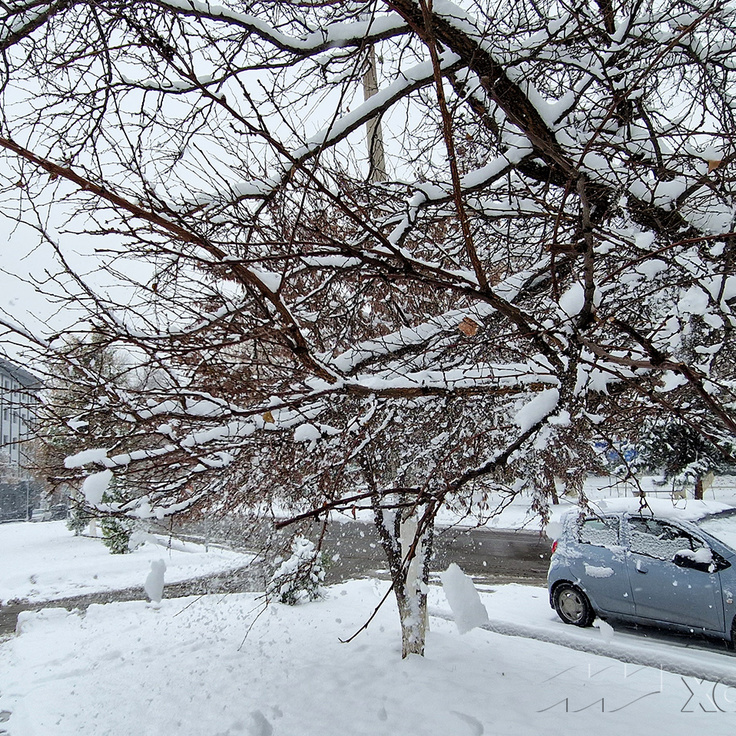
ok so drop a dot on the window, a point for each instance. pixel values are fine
(600, 532)
(660, 539)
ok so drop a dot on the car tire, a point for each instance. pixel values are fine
(731, 640)
(572, 605)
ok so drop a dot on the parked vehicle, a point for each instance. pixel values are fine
(658, 567)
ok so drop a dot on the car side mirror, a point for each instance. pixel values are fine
(688, 561)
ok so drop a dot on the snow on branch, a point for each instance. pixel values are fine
(335, 35)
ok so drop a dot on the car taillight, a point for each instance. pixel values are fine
(554, 546)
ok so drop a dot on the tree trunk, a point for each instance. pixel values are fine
(413, 617)
(408, 549)
(411, 597)
(376, 153)
(699, 488)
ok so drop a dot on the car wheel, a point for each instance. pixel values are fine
(572, 605)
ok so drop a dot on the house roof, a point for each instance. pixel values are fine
(24, 378)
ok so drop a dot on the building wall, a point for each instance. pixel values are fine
(18, 403)
(20, 491)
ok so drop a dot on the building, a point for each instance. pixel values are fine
(20, 491)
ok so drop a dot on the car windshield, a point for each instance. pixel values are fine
(721, 526)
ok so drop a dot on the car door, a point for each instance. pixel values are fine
(665, 591)
(600, 565)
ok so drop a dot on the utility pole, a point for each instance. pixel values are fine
(376, 154)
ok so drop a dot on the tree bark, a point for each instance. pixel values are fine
(406, 539)
(376, 153)
(411, 597)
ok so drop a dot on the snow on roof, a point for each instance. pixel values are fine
(22, 376)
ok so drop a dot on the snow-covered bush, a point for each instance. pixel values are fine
(299, 578)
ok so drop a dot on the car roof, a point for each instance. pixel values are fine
(662, 508)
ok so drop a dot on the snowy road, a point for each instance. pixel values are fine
(487, 555)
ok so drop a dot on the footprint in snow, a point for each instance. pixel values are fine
(476, 727)
(259, 725)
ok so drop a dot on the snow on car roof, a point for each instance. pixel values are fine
(683, 509)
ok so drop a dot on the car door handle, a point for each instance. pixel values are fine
(642, 570)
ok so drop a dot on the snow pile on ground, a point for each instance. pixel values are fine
(461, 594)
(220, 666)
(154, 585)
(46, 561)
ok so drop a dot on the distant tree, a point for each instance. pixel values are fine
(79, 376)
(682, 453)
(548, 261)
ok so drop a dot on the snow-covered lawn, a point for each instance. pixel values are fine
(44, 561)
(213, 667)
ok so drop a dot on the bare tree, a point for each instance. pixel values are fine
(551, 262)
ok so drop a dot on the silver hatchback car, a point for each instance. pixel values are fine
(657, 567)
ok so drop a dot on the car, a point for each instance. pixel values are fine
(647, 564)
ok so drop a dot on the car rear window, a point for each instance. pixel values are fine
(601, 532)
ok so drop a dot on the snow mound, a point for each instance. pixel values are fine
(154, 585)
(463, 598)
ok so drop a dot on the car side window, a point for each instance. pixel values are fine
(659, 539)
(601, 532)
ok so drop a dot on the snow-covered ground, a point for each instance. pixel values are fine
(44, 561)
(524, 611)
(223, 665)
(213, 666)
